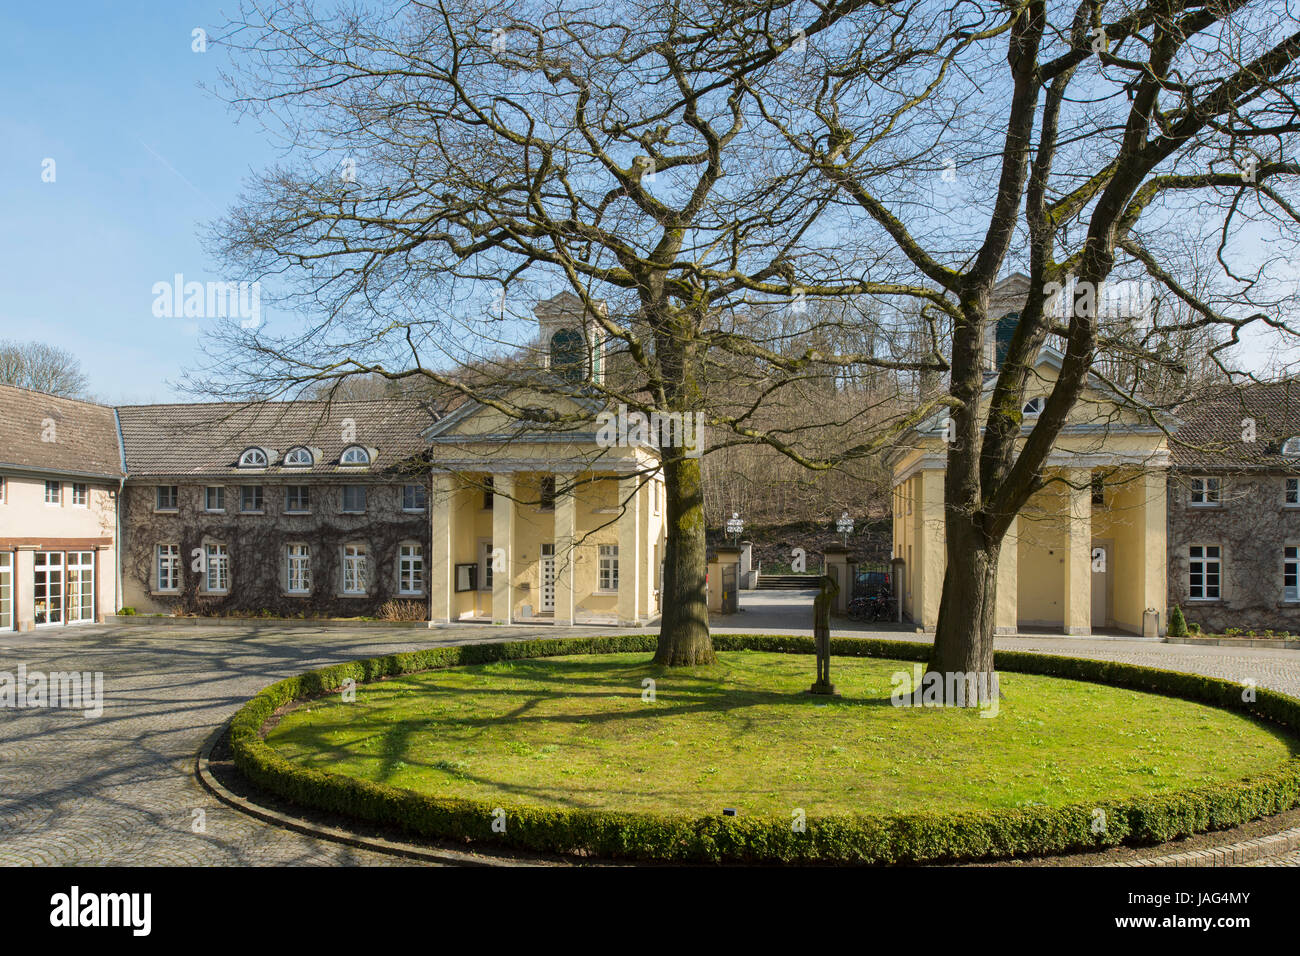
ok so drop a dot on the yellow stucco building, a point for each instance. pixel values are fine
(1087, 552)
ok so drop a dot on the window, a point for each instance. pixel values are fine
(354, 455)
(487, 493)
(1098, 490)
(354, 499)
(1291, 447)
(298, 566)
(53, 493)
(608, 580)
(169, 567)
(547, 502)
(218, 562)
(250, 499)
(1290, 566)
(1203, 572)
(410, 569)
(299, 458)
(2, 489)
(214, 498)
(354, 569)
(297, 499)
(1291, 495)
(413, 498)
(1205, 492)
(165, 498)
(654, 497)
(253, 458)
(80, 495)
(1033, 407)
(485, 562)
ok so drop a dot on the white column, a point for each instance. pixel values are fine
(503, 541)
(1078, 552)
(629, 537)
(1007, 615)
(442, 556)
(565, 549)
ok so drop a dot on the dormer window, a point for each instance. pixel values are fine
(299, 458)
(354, 455)
(1291, 447)
(1033, 407)
(253, 458)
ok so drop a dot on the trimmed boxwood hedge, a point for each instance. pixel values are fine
(845, 838)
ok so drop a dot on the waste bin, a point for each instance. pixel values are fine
(1150, 623)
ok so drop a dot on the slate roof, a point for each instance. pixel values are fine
(58, 436)
(1211, 431)
(208, 438)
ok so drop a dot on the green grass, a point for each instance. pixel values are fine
(575, 732)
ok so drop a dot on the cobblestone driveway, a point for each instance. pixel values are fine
(120, 789)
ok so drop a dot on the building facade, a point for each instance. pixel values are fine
(61, 475)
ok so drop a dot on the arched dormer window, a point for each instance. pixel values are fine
(253, 458)
(354, 455)
(1291, 447)
(569, 355)
(299, 458)
(1033, 407)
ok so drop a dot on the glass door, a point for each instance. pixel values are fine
(47, 590)
(548, 578)
(81, 586)
(6, 590)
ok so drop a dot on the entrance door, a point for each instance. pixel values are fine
(1100, 578)
(81, 586)
(47, 587)
(548, 579)
(6, 591)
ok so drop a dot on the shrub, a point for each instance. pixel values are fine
(919, 837)
(1232, 632)
(1177, 623)
(126, 611)
(1194, 628)
(402, 611)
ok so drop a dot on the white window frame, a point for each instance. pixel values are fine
(207, 499)
(1291, 447)
(354, 570)
(410, 569)
(418, 494)
(57, 488)
(654, 496)
(306, 489)
(1291, 566)
(1208, 488)
(355, 456)
(4, 488)
(167, 567)
(216, 568)
(1291, 492)
(254, 458)
(80, 495)
(485, 564)
(297, 568)
(261, 498)
(1034, 407)
(294, 457)
(343, 500)
(1206, 561)
(607, 569)
(174, 498)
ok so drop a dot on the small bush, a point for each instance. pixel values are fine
(1177, 623)
(126, 611)
(1194, 628)
(402, 611)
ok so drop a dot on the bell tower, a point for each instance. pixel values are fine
(572, 342)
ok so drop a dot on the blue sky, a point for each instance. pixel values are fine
(144, 158)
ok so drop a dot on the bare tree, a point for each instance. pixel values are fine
(1067, 140)
(41, 367)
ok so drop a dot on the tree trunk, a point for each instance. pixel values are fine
(684, 627)
(963, 637)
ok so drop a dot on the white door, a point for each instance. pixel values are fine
(1100, 577)
(81, 586)
(548, 578)
(6, 591)
(47, 587)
